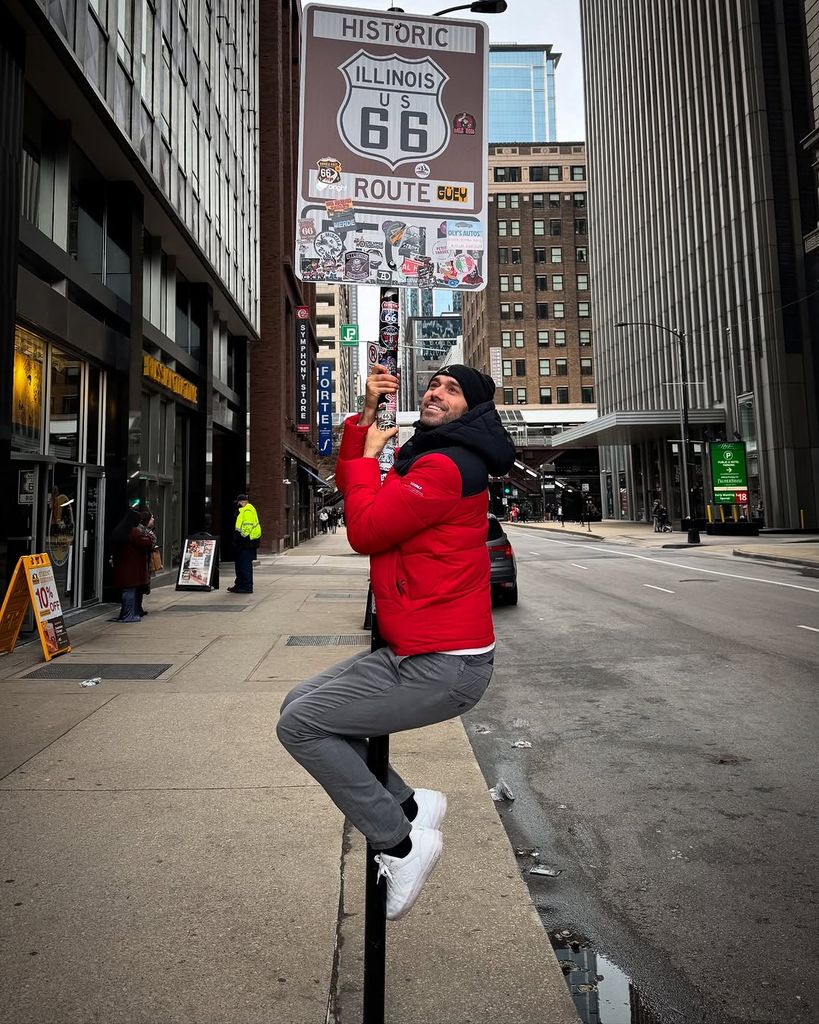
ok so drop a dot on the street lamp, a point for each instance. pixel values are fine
(478, 7)
(693, 532)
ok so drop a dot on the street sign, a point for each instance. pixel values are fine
(349, 334)
(729, 475)
(33, 582)
(302, 369)
(393, 151)
(325, 407)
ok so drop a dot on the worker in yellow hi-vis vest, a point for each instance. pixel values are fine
(246, 537)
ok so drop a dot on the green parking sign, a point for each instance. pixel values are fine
(729, 475)
(349, 334)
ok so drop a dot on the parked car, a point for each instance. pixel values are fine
(503, 573)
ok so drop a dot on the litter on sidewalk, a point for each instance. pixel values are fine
(522, 744)
(94, 681)
(542, 869)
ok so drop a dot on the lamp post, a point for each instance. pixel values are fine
(693, 532)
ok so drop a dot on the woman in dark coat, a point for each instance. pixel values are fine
(132, 544)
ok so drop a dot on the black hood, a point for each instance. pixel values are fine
(479, 430)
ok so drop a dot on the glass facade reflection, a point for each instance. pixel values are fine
(522, 94)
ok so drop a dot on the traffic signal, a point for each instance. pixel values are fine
(507, 489)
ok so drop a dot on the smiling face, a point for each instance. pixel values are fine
(443, 402)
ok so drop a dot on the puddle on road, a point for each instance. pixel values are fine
(602, 993)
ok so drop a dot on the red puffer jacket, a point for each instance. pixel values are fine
(425, 529)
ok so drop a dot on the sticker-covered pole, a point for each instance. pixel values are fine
(378, 749)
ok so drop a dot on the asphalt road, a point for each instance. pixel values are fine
(670, 697)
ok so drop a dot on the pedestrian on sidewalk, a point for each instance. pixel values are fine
(131, 545)
(246, 536)
(425, 531)
(324, 518)
(148, 524)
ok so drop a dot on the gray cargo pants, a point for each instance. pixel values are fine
(326, 720)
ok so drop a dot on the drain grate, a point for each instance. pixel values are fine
(328, 640)
(207, 608)
(83, 670)
(338, 595)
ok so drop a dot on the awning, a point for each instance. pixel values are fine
(633, 426)
(316, 477)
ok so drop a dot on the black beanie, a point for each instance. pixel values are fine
(476, 386)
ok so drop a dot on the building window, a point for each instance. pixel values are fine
(562, 396)
(537, 200)
(514, 201)
(501, 200)
(507, 396)
(520, 367)
(507, 174)
(544, 367)
(560, 337)
(554, 174)
(578, 172)
(147, 55)
(517, 284)
(542, 309)
(519, 341)
(541, 283)
(557, 282)
(543, 337)
(581, 227)
(514, 227)
(539, 227)
(582, 282)
(554, 200)
(540, 255)
(545, 396)
(507, 367)
(516, 256)
(521, 396)
(518, 310)
(503, 255)
(579, 200)
(558, 310)
(587, 395)
(165, 89)
(504, 283)
(581, 254)
(586, 367)
(555, 227)
(562, 367)
(585, 337)
(506, 311)
(506, 338)
(537, 173)
(583, 309)
(503, 228)
(557, 254)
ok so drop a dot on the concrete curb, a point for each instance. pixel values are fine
(781, 559)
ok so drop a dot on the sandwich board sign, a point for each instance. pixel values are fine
(393, 150)
(33, 584)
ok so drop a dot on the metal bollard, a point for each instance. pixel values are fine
(375, 892)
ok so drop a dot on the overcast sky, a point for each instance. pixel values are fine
(525, 21)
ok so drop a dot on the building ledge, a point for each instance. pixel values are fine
(632, 426)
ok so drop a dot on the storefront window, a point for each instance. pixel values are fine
(27, 400)
(60, 531)
(63, 428)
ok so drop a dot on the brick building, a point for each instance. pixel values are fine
(283, 461)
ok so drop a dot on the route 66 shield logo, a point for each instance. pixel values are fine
(392, 111)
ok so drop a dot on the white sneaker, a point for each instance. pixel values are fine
(406, 875)
(431, 808)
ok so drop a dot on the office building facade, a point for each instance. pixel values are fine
(703, 198)
(129, 274)
(522, 93)
(532, 328)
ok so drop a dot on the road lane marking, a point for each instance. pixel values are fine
(813, 629)
(652, 587)
(679, 565)
(579, 566)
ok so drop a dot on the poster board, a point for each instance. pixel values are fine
(32, 583)
(199, 565)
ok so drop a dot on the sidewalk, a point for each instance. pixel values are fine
(165, 861)
(789, 548)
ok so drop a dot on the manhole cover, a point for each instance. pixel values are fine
(83, 670)
(327, 640)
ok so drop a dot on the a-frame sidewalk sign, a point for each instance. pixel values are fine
(33, 583)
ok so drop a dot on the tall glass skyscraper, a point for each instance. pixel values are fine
(522, 93)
